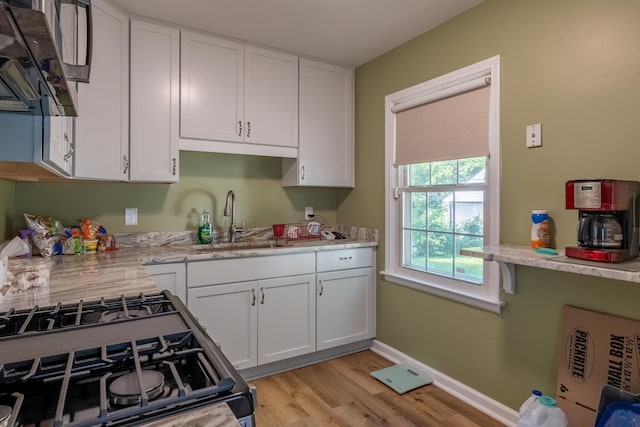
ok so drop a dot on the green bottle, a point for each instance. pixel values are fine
(205, 234)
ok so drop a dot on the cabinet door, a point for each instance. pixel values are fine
(171, 277)
(57, 148)
(271, 97)
(286, 317)
(102, 125)
(155, 71)
(326, 146)
(345, 307)
(211, 88)
(229, 314)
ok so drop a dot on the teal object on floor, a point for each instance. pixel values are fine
(402, 378)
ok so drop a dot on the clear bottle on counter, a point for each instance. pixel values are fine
(540, 229)
(205, 230)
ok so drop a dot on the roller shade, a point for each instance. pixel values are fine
(446, 125)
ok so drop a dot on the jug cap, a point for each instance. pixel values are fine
(548, 401)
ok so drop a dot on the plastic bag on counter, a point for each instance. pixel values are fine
(89, 229)
(46, 234)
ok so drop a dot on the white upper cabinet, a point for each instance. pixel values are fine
(155, 68)
(102, 125)
(212, 88)
(326, 146)
(236, 98)
(57, 147)
(271, 97)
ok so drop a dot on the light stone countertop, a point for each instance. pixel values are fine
(219, 415)
(508, 255)
(92, 276)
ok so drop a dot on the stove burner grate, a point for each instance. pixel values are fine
(125, 390)
(110, 316)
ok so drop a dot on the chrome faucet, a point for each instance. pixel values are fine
(229, 210)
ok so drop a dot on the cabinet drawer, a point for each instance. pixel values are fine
(202, 273)
(344, 259)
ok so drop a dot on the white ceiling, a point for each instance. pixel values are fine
(349, 32)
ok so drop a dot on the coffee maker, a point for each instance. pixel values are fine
(608, 219)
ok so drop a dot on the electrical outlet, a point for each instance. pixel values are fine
(308, 213)
(534, 135)
(130, 216)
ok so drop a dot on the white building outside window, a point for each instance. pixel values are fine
(442, 168)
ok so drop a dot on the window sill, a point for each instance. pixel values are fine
(472, 300)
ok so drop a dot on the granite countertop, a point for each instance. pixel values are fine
(219, 415)
(523, 255)
(92, 276)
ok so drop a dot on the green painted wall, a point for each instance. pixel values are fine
(205, 179)
(572, 66)
(6, 208)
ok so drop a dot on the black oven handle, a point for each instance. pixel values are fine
(80, 73)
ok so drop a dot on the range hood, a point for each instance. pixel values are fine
(33, 77)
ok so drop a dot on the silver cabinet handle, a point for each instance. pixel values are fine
(253, 297)
(125, 162)
(71, 147)
(321, 288)
(345, 258)
(240, 126)
(262, 299)
(302, 172)
(174, 166)
(248, 129)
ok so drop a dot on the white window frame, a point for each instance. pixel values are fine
(487, 294)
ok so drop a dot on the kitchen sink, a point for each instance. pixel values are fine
(236, 246)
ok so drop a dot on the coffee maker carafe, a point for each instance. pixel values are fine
(608, 219)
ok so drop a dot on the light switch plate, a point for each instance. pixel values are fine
(130, 216)
(534, 135)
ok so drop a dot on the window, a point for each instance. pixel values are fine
(442, 184)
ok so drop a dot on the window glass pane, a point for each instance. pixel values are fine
(468, 268)
(472, 170)
(440, 211)
(418, 211)
(415, 256)
(440, 253)
(444, 173)
(469, 206)
(420, 174)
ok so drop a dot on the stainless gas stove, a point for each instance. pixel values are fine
(120, 362)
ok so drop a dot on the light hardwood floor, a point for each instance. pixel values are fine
(341, 392)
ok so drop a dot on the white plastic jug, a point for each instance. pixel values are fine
(543, 413)
(535, 395)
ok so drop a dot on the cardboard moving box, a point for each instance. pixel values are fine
(596, 349)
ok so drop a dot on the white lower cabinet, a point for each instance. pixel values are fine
(259, 310)
(271, 308)
(344, 307)
(346, 295)
(171, 277)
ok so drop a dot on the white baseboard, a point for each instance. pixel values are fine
(483, 403)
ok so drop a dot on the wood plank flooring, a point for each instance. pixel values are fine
(341, 392)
